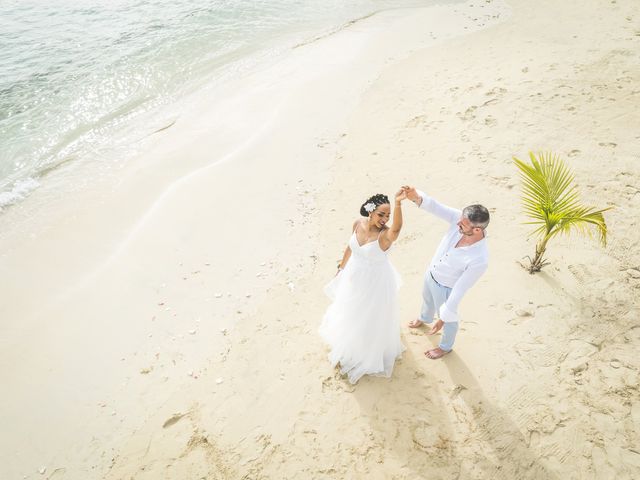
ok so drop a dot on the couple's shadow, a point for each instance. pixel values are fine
(431, 427)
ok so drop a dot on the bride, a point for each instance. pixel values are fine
(362, 325)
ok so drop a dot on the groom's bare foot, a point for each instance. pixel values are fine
(415, 323)
(435, 353)
(435, 328)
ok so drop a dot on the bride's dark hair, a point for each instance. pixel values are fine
(377, 200)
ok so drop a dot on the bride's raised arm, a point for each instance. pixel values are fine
(391, 234)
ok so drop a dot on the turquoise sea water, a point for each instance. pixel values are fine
(74, 73)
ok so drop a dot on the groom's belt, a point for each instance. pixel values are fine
(437, 282)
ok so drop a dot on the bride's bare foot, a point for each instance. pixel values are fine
(435, 328)
(415, 323)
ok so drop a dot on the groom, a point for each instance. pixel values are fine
(459, 262)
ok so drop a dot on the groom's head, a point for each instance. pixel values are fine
(477, 216)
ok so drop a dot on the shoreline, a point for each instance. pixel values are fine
(194, 353)
(126, 141)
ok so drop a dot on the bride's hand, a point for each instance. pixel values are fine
(411, 192)
(401, 195)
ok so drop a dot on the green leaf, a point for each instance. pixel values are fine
(551, 200)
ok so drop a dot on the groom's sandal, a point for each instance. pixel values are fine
(435, 353)
(417, 323)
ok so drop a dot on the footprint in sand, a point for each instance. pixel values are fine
(415, 121)
(428, 439)
(533, 417)
(500, 181)
(469, 114)
(496, 91)
(580, 272)
(337, 383)
(573, 153)
(608, 144)
(457, 390)
(633, 272)
(474, 87)
(579, 353)
(410, 237)
(490, 121)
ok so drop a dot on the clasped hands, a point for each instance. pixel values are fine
(409, 192)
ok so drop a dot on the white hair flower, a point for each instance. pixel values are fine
(370, 207)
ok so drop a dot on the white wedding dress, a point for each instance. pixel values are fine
(362, 325)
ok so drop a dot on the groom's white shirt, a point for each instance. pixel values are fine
(456, 268)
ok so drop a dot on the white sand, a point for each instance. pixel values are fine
(115, 362)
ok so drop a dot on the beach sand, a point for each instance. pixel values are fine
(164, 325)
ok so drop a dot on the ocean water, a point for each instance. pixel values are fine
(75, 74)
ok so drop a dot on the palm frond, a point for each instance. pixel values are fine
(586, 220)
(551, 200)
(547, 185)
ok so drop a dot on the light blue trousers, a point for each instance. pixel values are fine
(433, 296)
